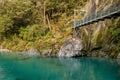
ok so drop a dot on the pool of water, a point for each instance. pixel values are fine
(37, 68)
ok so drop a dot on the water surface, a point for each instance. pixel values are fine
(16, 68)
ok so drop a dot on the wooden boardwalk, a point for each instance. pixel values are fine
(98, 16)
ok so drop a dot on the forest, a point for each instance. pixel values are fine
(35, 23)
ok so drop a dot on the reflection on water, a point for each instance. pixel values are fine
(92, 69)
(59, 69)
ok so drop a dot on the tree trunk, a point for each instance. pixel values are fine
(44, 14)
(49, 23)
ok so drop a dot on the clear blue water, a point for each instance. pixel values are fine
(58, 68)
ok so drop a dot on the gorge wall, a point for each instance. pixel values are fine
(100, 39)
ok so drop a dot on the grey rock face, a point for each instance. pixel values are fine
(5, 50)
(71, 48)
(47, 52)
(118, 57)
(31, 52)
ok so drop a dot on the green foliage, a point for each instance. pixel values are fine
(34, 23)
(115, 34)
(5, 24)
(33, 32)
(14, 14)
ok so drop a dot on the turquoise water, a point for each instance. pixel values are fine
(35, 68)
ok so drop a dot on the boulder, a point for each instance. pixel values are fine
(31, 52)
(47, 52)
(71, 48)
(94, 54)
(5, 50)
(118, 57)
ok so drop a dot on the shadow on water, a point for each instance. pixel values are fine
(59, 69)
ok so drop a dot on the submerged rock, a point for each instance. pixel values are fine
(71, 48)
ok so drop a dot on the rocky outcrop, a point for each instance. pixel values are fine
(31, 52)
(5, 50)
(48, 53)
(118, 57)
(71, 48)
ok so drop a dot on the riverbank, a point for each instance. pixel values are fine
(65, 51)
(31, 52)
(73, 47)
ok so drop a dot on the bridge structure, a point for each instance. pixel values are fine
(112, 11)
